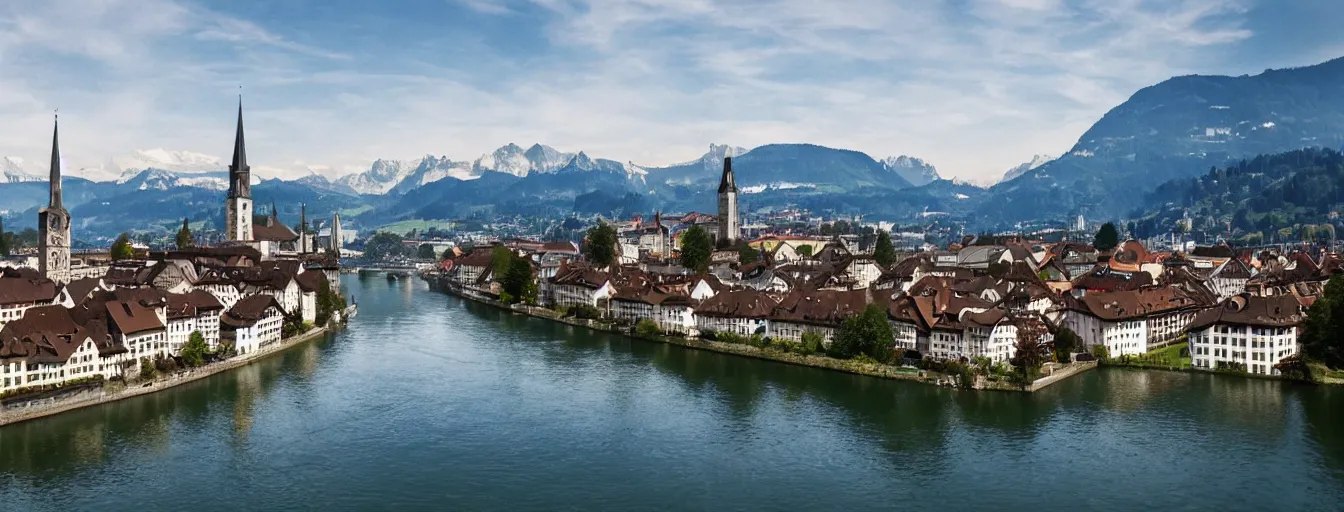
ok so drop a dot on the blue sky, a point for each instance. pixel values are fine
(972, 86)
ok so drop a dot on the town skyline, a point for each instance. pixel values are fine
(341, 104)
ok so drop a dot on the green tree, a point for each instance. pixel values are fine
(1066, 343)
(193, 352)
(383, 245)
(500, 260)
(746, 254)
(516, 277)
(426, 252)
(1107, 238)
(805, 250)
(600, 248)
(696, 249)
(884, 253)
(184, 235)
(1322, 331)
(4, 241)
(121, 248)
(448, 254)
(867, 334)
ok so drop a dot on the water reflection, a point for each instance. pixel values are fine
(427, 392)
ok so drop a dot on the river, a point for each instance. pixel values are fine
(427, 402)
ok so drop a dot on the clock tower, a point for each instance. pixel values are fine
(238, 206)
(53, 224)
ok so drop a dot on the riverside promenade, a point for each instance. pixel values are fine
(1057, 373)
(20, 411)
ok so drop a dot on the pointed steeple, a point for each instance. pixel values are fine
(55, 183)
(240, 184)
(728, 183)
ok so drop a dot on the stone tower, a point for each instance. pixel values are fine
(728, 222)
(335, 240)
(303, 229)
(53, 222)
(238, 206)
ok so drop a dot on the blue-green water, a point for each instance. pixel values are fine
(430, 403)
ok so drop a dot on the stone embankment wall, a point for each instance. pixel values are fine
(87, 397)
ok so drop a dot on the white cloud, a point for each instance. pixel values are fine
(974, 89)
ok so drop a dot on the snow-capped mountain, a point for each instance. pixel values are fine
(431, 169)
(914, 170)
(178, 162)
(512, 159)
(159, 179)
(381, 176)
(14, 172)
(1036, 161)
(401, 176)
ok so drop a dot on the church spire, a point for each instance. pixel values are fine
(240, 184)
(55, 182)
(728, 183)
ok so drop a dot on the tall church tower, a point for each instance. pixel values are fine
(238, 206)
(728, 223)
(335, 241)
(53, 222)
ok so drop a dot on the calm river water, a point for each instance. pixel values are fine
(431, 403)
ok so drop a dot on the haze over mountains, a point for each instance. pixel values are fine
(1176, 129)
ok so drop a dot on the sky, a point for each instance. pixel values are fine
(974, 87)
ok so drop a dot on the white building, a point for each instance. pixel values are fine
(253, 323)
(1246, 332)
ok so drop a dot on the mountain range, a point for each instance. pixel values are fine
(1174, 130)
(1178, 129)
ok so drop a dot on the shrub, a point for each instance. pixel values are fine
(709, 334)
(146, 368)
(812, 343)
(647, 329)
(1100, 352)
(504, 297)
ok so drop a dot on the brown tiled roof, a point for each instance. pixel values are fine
(130, 317)
(43, 331)
(560, 247)
(478, 257)
(21, 286)
(248, 311)
(1104, 278)
(821, 307)
(1141, 303)
(272, 231)
(580, 274)
(133, 273)
(1253, 310)
(313, 281)
(192, 304)
(80, 289)
(746, 303)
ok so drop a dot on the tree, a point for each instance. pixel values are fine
(1029, 353)
(1322, 338)
(146, 368)
(184, 236)
(121, 248)
(600, 248)
(1107, 238)
(426, 252)
(447, 254)
(516, 277)
(868, 334)
(193, 352)
(805, 250)
(884, 253)
(383, 245)
(747, 255)
(1066, 342)
(696, 249)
